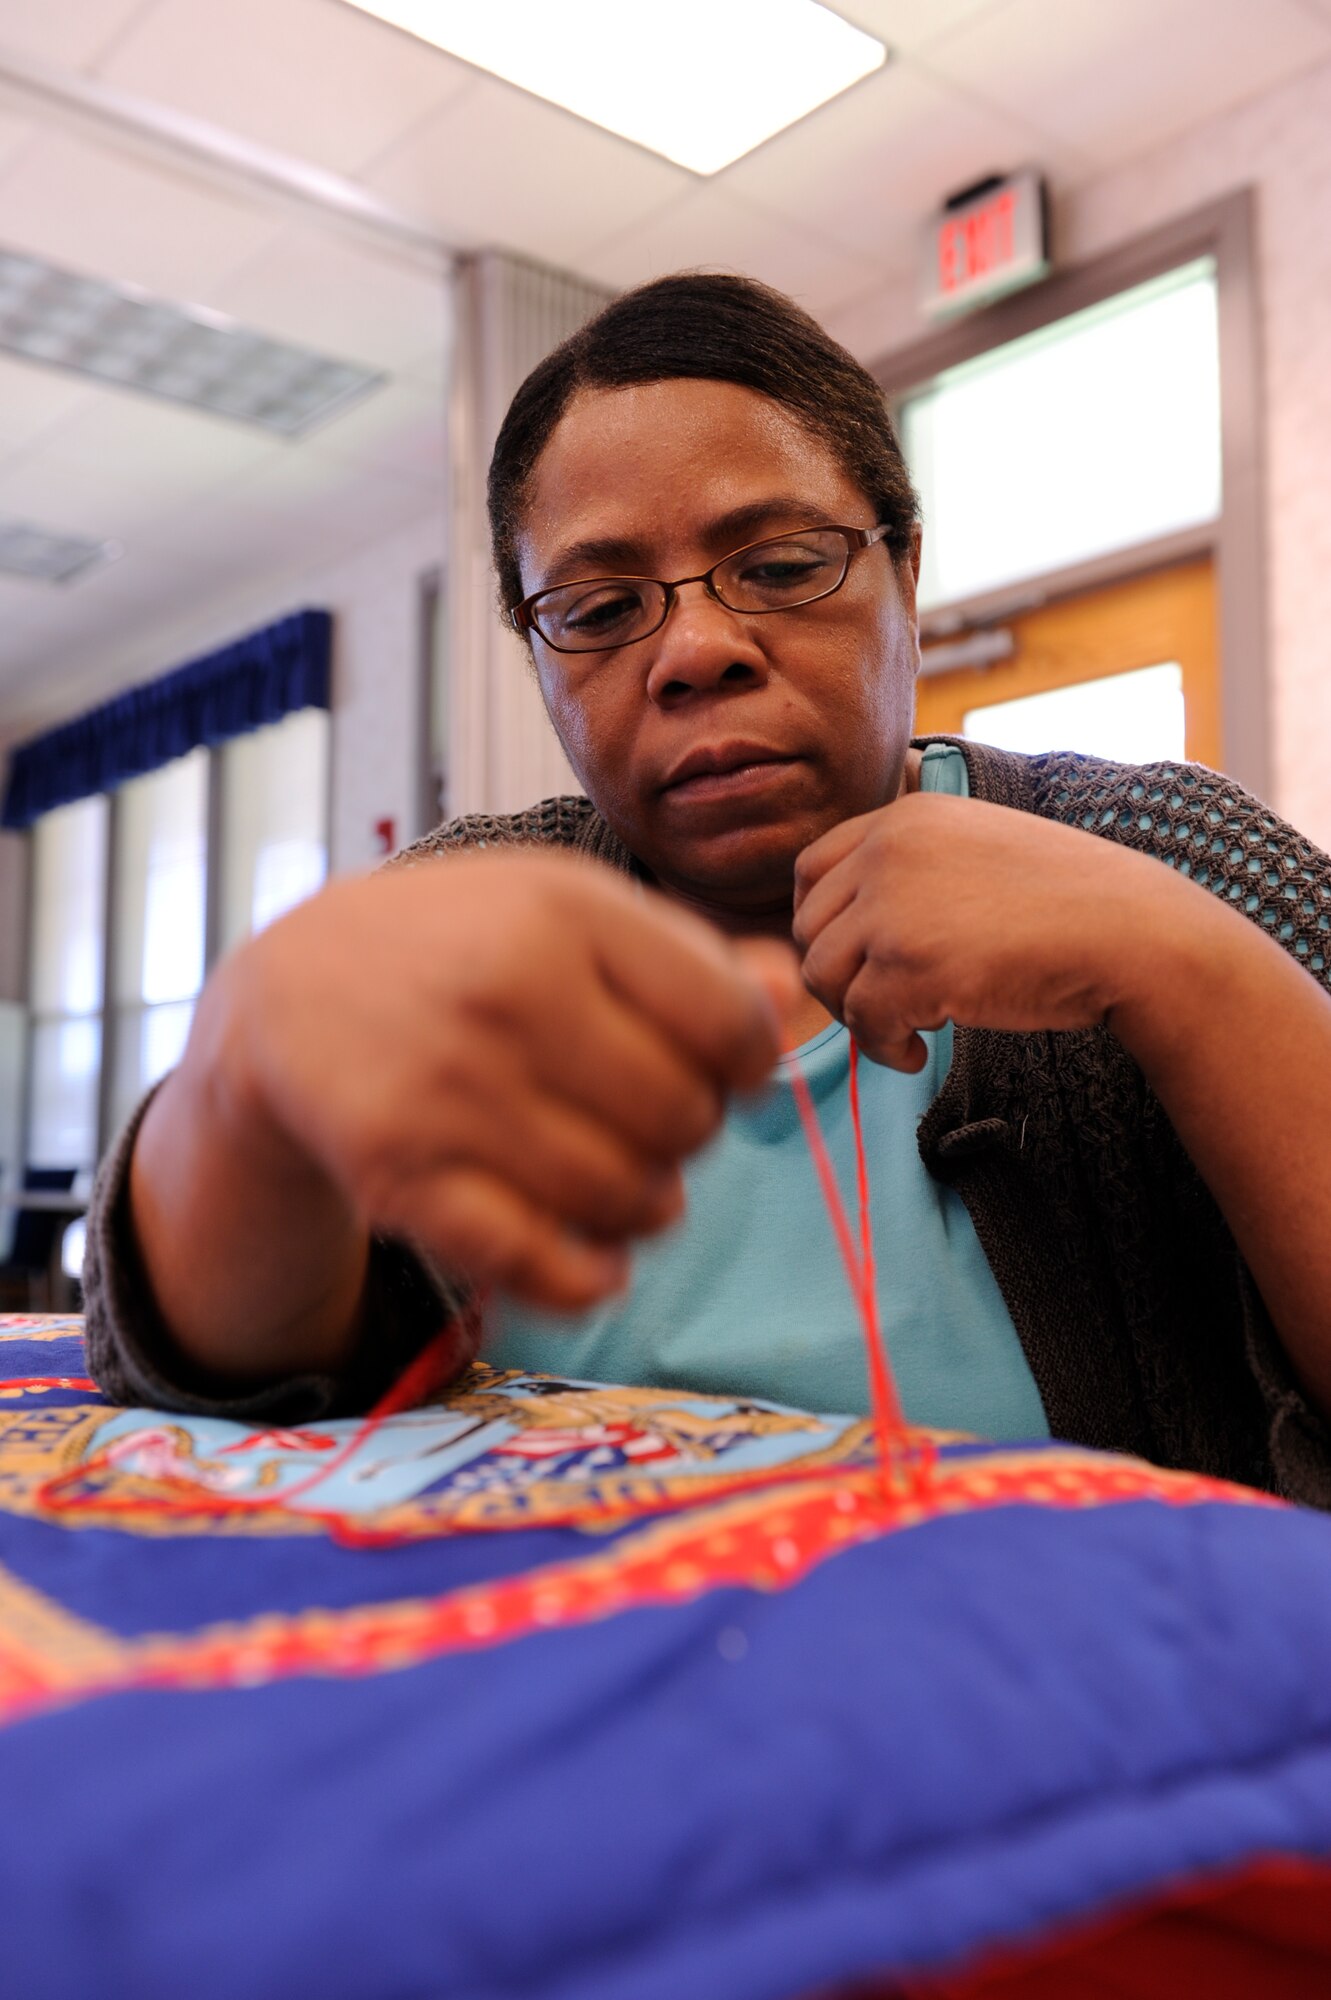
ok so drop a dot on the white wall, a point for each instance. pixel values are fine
(1281, 145)
(376, 690)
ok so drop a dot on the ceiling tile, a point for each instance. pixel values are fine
(111, 467)
(285, 515)
(353, 302)
(399, 429)
(502, 167)
(32, 399)
(72, 32)
(15, 132)
(714, 228)
(24, 609)
(884, 318)
(98, 211)
(909, 24)
(428, 370)
(868, 169)
(152, 440)
(317, 79)
(50, 493)
(1118, 80)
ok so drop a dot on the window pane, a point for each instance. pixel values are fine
(69, 903)
(72, 1246)
(13, 1037)
(1095, 433)
(161, 861)
(65, 1058)
(274, 821)
(148, 1041)
(1135, 717)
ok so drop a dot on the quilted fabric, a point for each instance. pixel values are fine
(759, 1730)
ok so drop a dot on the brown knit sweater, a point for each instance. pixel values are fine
(1140, 1323)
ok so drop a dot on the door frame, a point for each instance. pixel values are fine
(1226, 231)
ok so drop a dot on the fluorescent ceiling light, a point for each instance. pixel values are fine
(44, 557)
(119, 335)
(701, 81)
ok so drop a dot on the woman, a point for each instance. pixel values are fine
(1112, 1222)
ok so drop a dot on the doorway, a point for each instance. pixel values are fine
(1128, 670)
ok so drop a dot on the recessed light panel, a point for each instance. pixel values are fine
(119, 335)
(44, 557)
(700, 81)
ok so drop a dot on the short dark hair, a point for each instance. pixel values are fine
(710, 326)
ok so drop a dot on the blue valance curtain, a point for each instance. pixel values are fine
(254, 681)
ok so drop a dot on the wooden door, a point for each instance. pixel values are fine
(1167, 616)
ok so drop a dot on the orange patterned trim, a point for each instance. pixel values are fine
(764, 1541)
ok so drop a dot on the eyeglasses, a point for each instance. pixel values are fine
(598, 613)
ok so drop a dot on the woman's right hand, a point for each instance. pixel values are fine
(501, 1058)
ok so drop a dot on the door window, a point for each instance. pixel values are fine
(1096, 433)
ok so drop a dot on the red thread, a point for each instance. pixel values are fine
(900, 1449)
(426, 1373)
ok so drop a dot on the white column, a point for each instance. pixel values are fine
(502, 753)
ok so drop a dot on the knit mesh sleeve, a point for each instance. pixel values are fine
(1219, 836)
(1210, 830)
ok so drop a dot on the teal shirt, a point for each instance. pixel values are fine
(747, 1294)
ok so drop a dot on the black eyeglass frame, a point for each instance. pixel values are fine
(523, 616)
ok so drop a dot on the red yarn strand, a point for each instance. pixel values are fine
(426, 1373)
(897, 1444)
(827, 1181)
(882, 1388)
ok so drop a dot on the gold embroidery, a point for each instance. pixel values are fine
(46, 1650)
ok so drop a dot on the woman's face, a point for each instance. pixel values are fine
(804, 715)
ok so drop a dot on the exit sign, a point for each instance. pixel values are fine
(987, 240)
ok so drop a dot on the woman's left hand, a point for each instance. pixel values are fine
(937, 909)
